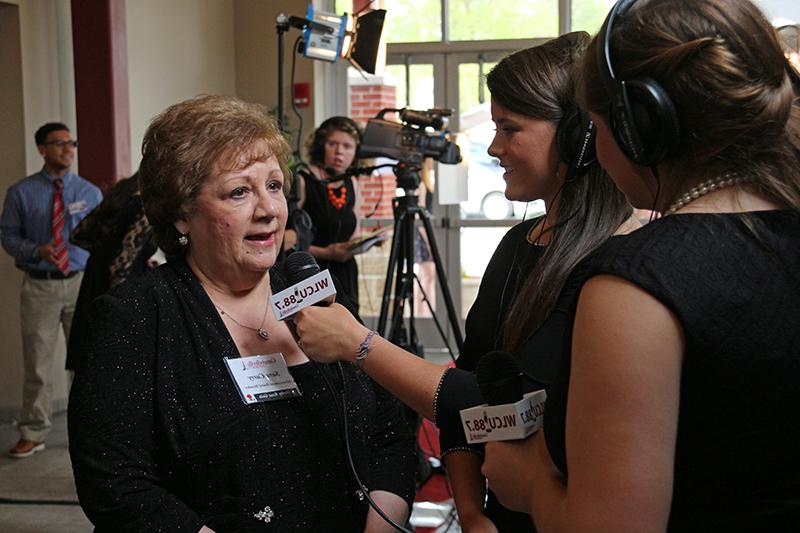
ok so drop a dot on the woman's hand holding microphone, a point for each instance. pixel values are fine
(329, 334)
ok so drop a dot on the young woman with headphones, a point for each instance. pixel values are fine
(546, 146)
(333, 205)
(680, 408)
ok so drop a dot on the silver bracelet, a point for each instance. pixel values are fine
(364, 347)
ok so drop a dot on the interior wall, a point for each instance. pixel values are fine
(12, 167)
(257, 57)
(176, 50)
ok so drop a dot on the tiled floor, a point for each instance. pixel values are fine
(37, 494)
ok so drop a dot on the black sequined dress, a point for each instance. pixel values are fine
(161, 441)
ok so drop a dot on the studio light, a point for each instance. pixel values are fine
(355, 38)
(368, 49)
(328, 37)
(324, 35)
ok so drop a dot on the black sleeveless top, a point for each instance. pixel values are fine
(733, 281)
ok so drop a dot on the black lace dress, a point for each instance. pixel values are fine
(733, 282)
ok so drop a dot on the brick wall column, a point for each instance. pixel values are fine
(366, 101)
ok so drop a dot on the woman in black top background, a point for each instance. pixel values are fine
(333, 206)
(122, 244)
(680, 409)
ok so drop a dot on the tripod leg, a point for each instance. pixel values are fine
(405, 337)
(435, 319)
(394, 255)
(440, 276)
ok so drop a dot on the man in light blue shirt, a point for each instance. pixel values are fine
(39, 213)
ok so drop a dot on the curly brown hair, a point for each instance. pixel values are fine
(189, 141)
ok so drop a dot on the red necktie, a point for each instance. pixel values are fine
(59, 246)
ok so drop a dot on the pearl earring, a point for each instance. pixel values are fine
(183, 240)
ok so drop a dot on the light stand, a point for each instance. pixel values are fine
(328, 37)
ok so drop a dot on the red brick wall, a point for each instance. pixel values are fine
(365, 102)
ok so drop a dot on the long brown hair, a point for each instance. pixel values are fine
(721, 63)
(539, 82)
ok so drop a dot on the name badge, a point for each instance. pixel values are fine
(76, 207)
(262, 378)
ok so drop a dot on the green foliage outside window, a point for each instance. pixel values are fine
(477, 20)
(413, 21)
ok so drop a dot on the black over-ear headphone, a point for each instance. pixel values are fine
(643, 118)
(575, 141)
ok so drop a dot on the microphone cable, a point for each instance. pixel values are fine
(341, 405)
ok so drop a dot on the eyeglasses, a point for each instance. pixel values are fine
(62, 144)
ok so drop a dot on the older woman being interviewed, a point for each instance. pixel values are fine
(170, 428)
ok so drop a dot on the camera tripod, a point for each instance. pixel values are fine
(401, 268)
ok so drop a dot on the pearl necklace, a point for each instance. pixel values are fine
(714, 184)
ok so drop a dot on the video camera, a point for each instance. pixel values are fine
(409, 141)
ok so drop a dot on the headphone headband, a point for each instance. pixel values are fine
(643, 118)
(604, 37)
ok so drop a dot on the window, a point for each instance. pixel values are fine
(480, 20)
(420, 21)
(413, 21)
(588, 15)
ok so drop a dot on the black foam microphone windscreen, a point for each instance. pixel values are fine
(499, 378)
(299, 266)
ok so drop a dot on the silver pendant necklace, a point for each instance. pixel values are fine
(263, 333)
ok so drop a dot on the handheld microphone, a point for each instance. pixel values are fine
(299, 266)
(508, 414)
(302, 265)
(499, 378)
(309, 286)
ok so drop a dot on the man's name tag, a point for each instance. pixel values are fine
(262, 378)
(75, 208)
(300, 295)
